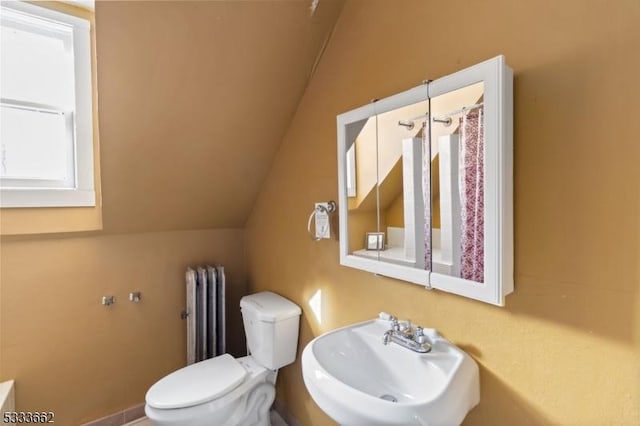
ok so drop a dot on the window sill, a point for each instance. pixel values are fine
(35, 198)
(29, 221)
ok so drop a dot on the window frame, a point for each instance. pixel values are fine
(79, 122)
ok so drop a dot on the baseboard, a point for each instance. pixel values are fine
(119, 418)
(285, 414)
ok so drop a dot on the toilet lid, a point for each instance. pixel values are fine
(197, 383)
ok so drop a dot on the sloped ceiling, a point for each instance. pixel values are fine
(194, 100)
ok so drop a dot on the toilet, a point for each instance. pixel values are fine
(225, 391)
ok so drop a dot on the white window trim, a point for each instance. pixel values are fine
(351, 172)
(83, 195)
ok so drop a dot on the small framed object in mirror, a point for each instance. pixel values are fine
(374, 241)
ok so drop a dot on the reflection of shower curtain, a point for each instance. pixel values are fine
(426, 188)
(472, 195)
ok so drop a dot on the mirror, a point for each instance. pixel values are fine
(426, 178)
(384, 157)
(457, 183)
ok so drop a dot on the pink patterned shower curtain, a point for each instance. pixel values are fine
(426, 188)
(472, 195)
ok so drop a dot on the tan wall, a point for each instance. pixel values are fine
(195, 97)
(69, 354)
(565, 350)
(359, 224)
(395, 213)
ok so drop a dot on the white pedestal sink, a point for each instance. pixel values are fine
(357, 380)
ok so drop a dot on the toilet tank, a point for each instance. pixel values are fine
(271, 324)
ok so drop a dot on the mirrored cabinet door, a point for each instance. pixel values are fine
(472, 191)
(402, 134)
(384, 222)
(457, 183)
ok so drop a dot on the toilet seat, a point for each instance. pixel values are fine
(197, 383)
(228, 409)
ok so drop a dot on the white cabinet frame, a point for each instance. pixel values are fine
(497, 78)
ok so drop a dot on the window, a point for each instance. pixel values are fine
(46, 120)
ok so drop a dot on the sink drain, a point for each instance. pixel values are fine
(388, 397)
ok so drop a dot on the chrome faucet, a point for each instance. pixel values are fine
(405, 335)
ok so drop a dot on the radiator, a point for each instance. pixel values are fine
(205, 313)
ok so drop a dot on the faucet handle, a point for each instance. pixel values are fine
(406, 326)
(395, 326)
(419, 335)
(388, 317)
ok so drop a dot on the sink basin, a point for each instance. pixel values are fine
(357, 380)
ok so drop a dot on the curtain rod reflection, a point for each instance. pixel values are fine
(444, 119)
(459, 111)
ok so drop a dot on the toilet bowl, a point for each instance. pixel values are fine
(242, 393)
(225, 391)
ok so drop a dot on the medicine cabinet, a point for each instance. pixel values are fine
(426, 183)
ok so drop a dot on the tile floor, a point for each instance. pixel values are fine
(276, 420)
